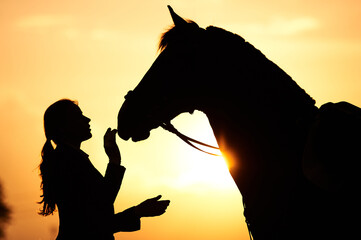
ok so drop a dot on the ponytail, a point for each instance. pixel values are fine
(46, 174)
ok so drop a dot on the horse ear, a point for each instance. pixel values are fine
(178, 21)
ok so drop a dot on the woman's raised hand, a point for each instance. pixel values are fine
(111, 147)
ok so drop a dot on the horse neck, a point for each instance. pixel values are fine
(252, 93)
(254, 108)
(259, 133)
(231, 114)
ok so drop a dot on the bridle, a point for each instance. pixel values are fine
(169, 127)
(190, 141)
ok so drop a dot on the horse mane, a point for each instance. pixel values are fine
(292, 97)
(235, 42)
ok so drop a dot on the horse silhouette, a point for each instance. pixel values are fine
(287, 155)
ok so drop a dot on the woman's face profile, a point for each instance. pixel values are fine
(77, 126)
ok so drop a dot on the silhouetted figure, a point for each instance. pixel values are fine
(4, 213)
(261, 119)
(70, 182)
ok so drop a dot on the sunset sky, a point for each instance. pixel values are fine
(95, 51)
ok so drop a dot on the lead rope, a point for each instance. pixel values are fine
(169, 127)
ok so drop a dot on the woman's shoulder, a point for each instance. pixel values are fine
(66, 151)
(72, 160)
(65, 156)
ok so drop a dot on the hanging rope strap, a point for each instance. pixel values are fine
(190, 141)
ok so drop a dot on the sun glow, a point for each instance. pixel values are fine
(199, 168)
(204, 170)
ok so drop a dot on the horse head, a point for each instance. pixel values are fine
(167, 88)
(211, 70)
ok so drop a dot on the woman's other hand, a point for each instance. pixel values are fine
(152, 207)
(111, 147)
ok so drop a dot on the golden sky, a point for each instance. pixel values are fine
(95, 51)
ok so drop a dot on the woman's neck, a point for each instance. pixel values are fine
(73, 143)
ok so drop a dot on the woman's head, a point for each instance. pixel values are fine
(65, 122)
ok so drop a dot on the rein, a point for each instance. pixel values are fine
(190, 141)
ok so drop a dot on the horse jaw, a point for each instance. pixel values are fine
(127, 131)
(140, 137)
(136, 137)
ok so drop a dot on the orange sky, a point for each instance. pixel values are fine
(95, 51)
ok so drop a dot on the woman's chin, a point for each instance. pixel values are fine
(89, 136)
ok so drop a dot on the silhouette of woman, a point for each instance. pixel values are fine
(70, 183)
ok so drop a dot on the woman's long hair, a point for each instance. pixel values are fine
(54, 120)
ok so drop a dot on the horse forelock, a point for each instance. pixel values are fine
(174, 34)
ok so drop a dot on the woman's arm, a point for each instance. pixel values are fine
(115, 172)
(129, 220)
